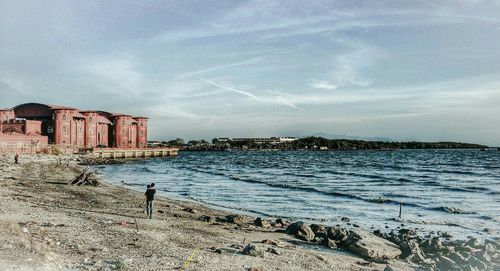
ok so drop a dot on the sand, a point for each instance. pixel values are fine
(46, 224)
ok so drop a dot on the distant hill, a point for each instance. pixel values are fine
(339, 136)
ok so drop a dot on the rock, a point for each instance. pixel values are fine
(252, 250)
(446, 235)
(433, 245)
(345, 219)
(255, 269)
(161, 211)
(262, 223)
(409, 247)
(280, 223)
(483, 256)
(445, 263)
(492, 242)
(207, 218)
(273, 251)
(272, 243)
(466, 249)
(190, 210)
(370, 246)
(319, 230)
(475, 262)
(318, 240)
(236, 219)
(301, 231)
(337, 233)
(489, 248)
(457, 257)
(416, 258)
(405, 234)
(327, 242)
(473, 242)
(388, 268)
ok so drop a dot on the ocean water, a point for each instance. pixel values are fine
(457, 191)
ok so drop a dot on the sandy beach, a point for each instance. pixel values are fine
(50, 225)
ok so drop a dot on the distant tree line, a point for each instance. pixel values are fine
(315, 143)
(348, 144)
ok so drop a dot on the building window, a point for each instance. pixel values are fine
(64, 130)
(123, 143)
(64, 117)
(81, 129)
(142, 123)
(141, 144)
(142, 133)
(90, 119)
(91, 131)
(123, 132)
(123, 122)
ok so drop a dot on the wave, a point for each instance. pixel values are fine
(302, 175)
(453, 210)
(430, 222)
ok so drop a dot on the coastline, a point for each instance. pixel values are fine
(49, 225)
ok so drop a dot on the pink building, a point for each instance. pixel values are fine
(73, 127)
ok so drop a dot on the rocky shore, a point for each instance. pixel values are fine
(48, 224)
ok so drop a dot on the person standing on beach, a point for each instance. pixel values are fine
(150, 196)
(146, 199)
(16, 158)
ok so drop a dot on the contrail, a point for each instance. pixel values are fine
(272, 100)
(242, 92)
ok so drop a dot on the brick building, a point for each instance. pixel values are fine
(73, 127)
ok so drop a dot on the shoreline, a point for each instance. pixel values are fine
(191, 235)
(55, 226)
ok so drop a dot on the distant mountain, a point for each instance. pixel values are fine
(364, 138)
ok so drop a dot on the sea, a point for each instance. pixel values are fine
(453, 191)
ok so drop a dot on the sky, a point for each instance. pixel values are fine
(405, 70)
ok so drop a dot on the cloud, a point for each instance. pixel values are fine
(115, 74)
(320, 84)
(242, 66)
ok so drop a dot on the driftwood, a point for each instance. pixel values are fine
(86, 177)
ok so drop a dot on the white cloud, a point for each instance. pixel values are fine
(117, 75)
(320, 84)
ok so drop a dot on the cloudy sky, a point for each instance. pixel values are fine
(406, 70)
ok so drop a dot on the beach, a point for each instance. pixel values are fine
(50, 225)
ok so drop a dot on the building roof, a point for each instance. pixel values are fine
(111, 114)
(46, 108)
(59, 107)
(79, 115)
(102, 119)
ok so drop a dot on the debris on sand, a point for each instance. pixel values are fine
(86, 177)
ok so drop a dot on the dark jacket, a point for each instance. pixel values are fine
(150, 194)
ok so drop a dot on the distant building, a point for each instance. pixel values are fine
(61, 125)
(284, 139)
(265, 140)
